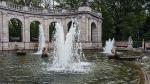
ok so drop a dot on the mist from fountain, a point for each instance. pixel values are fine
(68, 55)
(109, 45)
(41, 44)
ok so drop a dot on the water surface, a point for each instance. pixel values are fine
(32, 69)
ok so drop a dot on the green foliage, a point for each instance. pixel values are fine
(146, 29)
(15, 27)
(51, 31)
(121, 18)
(34, 3)
(34, 30)
(70, 3)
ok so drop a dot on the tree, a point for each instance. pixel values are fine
(122, 18)
(15, 27)
(33, 3)
(70, 3)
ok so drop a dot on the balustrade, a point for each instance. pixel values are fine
(35, 10)
(14, 6)
(21, 8)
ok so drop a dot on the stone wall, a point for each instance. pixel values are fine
(121, 44)
(124, 44)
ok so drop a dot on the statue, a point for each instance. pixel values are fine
(130, 42)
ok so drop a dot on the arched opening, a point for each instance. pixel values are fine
(51, 30)
(69, 25)
(34, 31)
(94, 31)
(15, 30)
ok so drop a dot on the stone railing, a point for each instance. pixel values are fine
(37, 10)
(14, 6)
(55, 10)
(21, 8)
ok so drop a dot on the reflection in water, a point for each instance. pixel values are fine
(32, 69)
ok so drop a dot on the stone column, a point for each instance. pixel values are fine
(23, 29)
(100, 38)
(5, 32)
(90, 30)
(26, 34)
(46, 30)
(86, 28)
(99, 31)
(88, 24)
(1, 31)
(82, 29)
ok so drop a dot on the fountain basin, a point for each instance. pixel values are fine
(20, 52)
(34, 69)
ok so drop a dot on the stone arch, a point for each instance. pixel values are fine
(33, 19)
(34, 31)
(69, 25)
(94, 36)
(51, 30)
(15, 30)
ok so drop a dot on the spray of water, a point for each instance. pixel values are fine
(130, 42)
(109, 46)
(41, 44)
(68, 55)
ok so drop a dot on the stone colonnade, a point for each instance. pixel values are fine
(85, 18)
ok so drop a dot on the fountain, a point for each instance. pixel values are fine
(68, 55)
(41, 44)
(68, 65)
(109, 46)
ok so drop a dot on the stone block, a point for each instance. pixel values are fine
(5, 46)
(3, 3)
(25, 8)
(85, 8)
(45, 11)
(27, 45)
(33, 45)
